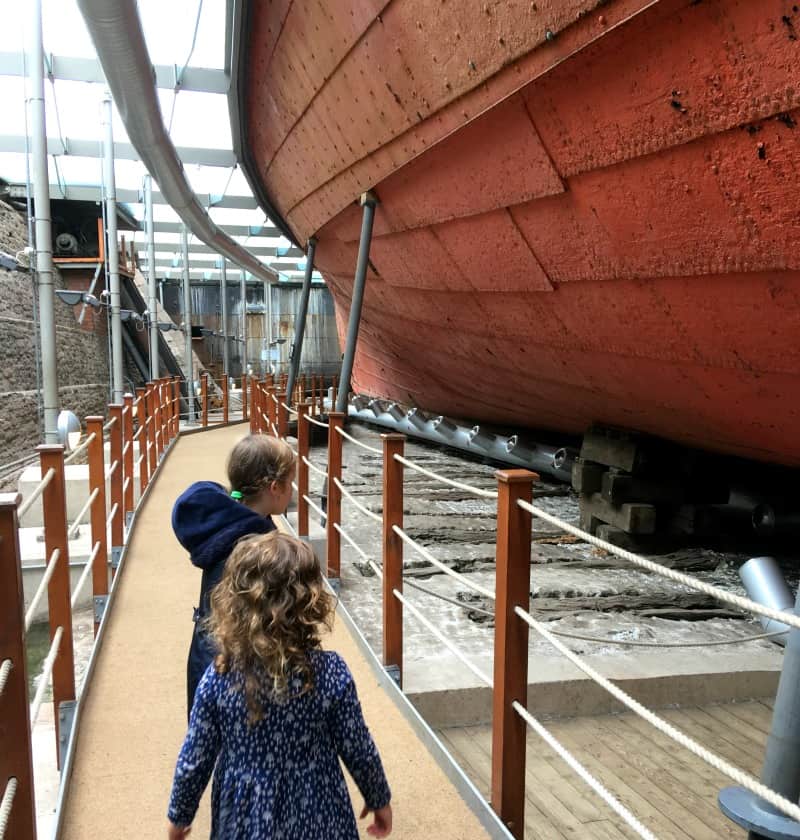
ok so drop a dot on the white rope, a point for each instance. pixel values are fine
(679, 577)
(313, 467)
(314, 507)
(126, 484)
(78, 449)
(79, 518)
(274, 399)
(109, 424)
(370, 562)
(112, 515)
(42, 588)
(587, 777)
(439, 565)
(476, 491)
(140, 459)
(112, 469)
(317, 422)
(6, 804)
(290, 410)
(85, 574)
(124, 410)
(36, 492)
(344, 434)
(365, 511)
(740, 777)
(47, 672)
(126, 447)
(5, 670)
(138, 433)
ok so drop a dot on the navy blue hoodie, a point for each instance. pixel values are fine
(208, 523)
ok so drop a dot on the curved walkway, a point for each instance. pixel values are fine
(133, 721)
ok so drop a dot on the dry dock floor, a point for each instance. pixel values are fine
(134, 718)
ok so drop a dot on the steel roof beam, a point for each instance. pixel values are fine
(231, 230)
(69, 69)
(259, 250)
(210, 264)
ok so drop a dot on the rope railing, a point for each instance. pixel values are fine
(36, 492)
(376, 517)
(112, 469)
(78, 450)
(357, 442)
(110, 517)
(314, 468)
(42, 587)
(6, 805)
(742, 603)
(316, 508)
(317, 422)
(126, 484)
(126, 447)
(422, 551)
(289, 409)
(85, 574)
(110, 423)
(476, 491)
(5, 670)
(46, 673)
(741, 778)
(72, 530)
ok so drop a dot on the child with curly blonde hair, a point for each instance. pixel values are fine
(275, 712)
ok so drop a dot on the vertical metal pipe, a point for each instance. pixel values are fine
(368, 202)
(44, 241)
(187, 323)
(300, 319)
(265, 367)
(112, 249)
(152, 306)
(270, 336)
(223, 294)
(243, 316)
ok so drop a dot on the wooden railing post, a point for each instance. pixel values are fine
(393, 444)
(176, 405)
(141, 417)
(302, 469)
(152, 456)
(272, 414)
(97, 480)
(115, 456)
(166, 410)
(59, 599)
(244, 397)
(204, 399)
(16, 761)
(127, 455)
(333, 515)
(283, 415)
(224, 382)
(255, 417)
(513, 575)
(157, 434)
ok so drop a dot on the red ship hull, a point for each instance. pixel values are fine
(588, 212)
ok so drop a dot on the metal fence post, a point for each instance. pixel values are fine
(204, 399)
(334, 513)
(59, 603)
(127, 454)
(97, 479)
(224, 382)
(302, 469)
(115, 457)
(513, 573)
(392, 552)
(16, 761)
(141, 417)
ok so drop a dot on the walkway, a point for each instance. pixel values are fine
(134, 718)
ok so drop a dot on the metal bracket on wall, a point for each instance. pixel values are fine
(394, 672)
(116, 554)
(100, 602)
(66, 717)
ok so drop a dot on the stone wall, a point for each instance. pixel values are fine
(82, 356)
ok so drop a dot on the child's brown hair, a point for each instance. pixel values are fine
(267, 613)
(256, 461)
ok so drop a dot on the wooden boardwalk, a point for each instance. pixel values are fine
(671, 791)
(134, 717)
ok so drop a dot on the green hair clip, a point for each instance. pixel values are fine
(235, 494)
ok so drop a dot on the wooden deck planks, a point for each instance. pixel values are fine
(668, 789)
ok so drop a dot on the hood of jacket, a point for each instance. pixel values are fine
(208, 522)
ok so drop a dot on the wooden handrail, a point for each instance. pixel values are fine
(392, 551)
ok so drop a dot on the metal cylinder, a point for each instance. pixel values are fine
(152, 306)
(395, 411)
(112, 250)
(300, 321)
(444, 426)
(187, 324)
(44, 241)
(243, 317)
(417, 419)
(223, 297)
(765, 584)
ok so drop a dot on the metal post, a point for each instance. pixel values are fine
(265, 366)
(223, 293)
(152, 305)
(243, 316)
(368, 201)
(112, 250)
(188, 369)
(300, 319)
(44, 241)
(392, 553)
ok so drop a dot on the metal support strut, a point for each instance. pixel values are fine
(187, 325)
(368, 201)
(781, 770)
(223, 297)
(152, 306)
(300, 321)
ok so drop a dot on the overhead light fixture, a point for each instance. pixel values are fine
(72, 297)
(68, 428)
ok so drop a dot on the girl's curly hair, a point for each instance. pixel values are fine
(257, 460)
(267, 613)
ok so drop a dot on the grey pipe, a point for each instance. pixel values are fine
(765, 584)
(112, 249)
(44, 237)
(265, 369)
(243, 316)
(300, 321)
(223, 294)
(187, 326)
(152, 306)
(270, 336)
(368, 202)
(116, 31)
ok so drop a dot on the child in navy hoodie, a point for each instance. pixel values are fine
(208, 521)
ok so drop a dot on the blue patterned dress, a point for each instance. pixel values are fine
(280, 779)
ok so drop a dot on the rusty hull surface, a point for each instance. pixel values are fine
(590, 212)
